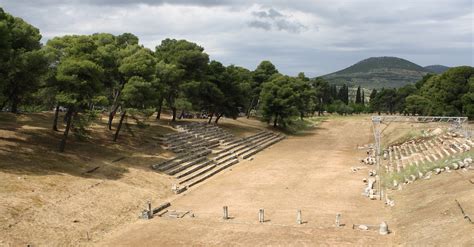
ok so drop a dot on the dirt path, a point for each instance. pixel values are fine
(310, 172)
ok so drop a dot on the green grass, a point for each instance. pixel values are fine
(389, 178)
(297, 126)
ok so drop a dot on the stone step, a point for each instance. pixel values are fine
(185, 166)
(247, 138)
(184, 159)
(256, 144)
(197, 174)
(194, 169)
(226, 149)
(224, 160)
(254, 140)
(262, 147)
(250, 146)
(211, 173)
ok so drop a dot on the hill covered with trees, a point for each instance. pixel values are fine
(447, 94)
(378, 72)
(437, 69)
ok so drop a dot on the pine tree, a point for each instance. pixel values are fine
(343, 94)
(358, 99)
(363, 98)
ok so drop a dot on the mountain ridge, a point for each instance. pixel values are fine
(379, 72)
(437, 68)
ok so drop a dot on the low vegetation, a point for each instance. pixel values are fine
(423, 168)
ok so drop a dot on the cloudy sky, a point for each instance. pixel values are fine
(314, 36)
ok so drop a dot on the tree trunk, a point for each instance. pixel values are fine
(301, 115)
(4, 103)
(160, 105)
(210, 118)
(275, 121)
(14, 104)
(56, 115)
(174, 114)
(320, 111)
(69, 114)
(250, 107)
(181, 115)
(119, 125)
(112, 115)
(218, 117)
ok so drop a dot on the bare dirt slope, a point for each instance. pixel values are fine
(310, 172)
(426, 212)
(73, 198)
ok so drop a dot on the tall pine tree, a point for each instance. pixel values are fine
(358, 99)
(363, 98)
(343, 94)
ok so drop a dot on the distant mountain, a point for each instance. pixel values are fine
(379, 72)
(438, 69)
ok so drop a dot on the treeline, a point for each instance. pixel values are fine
(448, 94)
(84, 75)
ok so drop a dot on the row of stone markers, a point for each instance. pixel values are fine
(204, 150)
(162, 210)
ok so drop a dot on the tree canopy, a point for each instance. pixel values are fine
(85, 74)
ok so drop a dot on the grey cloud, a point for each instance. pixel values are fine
(260, 24)
(290, 26)
(271, 13)
(273, 19)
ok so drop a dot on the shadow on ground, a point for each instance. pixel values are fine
(28, 146)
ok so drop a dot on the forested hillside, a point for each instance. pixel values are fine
(378, 72)
(437, 69)
(447, 94)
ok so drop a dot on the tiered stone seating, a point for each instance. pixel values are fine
(206, 150)
(419, 152)
(179, 160)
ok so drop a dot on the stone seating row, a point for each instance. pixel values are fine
(431, 150)
(181, 159)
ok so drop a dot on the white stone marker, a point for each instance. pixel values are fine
(338, 219)
(299, 221)
(383, 230)
(226, 213)
(150, 211)
(261, 215)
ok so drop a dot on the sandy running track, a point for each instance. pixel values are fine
(310, 172)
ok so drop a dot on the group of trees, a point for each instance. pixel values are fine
(84, 74)
(343, 102)
(447, 94)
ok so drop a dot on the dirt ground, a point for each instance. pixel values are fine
(426, 212)
(310, 172)
(49, 199)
